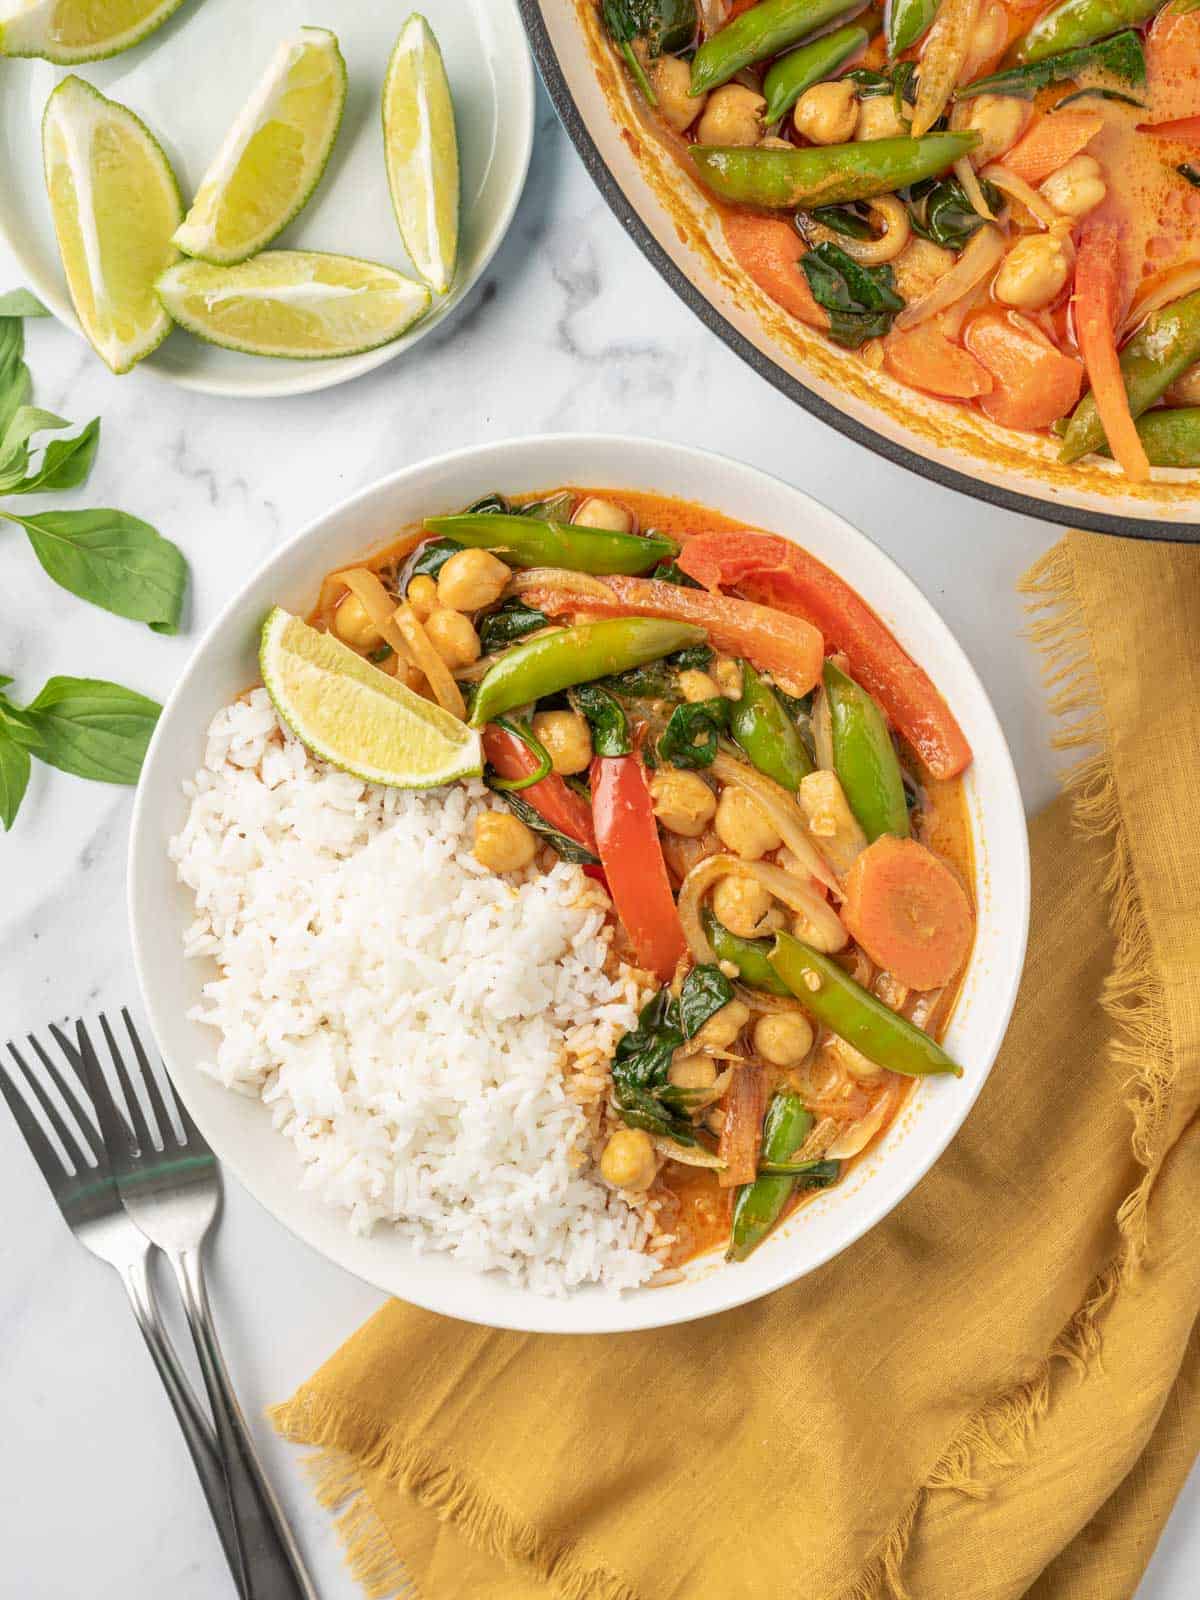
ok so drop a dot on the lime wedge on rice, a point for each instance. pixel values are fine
(421, 150)
(67, 31)
(352, 714)
(298, 303)
(115, 205)
(273, 156)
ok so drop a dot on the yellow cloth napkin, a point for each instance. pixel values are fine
(997, 1391)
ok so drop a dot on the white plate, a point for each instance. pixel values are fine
(189, 80)
(226, 661)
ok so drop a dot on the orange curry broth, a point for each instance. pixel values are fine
(701, 1207)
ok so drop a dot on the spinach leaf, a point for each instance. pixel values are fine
(640, 1068)
(429, 560)
(949, 217)
(511, 622)
(844, 220)
(91, 728)
(667, 26)
(14, 777)
(489, 505)
(705, 990)
(568, 849)
(604, 716)
(693, 658)
(690, 737)
(20, 303)
(861, 301)
(113, 560)
(65, 463)
(672, 572)
(1121, 56)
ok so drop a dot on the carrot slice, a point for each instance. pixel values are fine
(909, 912)
(784, 645)
(772, 569)
(769, 251)
(925, 359)
(1035, 383)
(1098, 305)
(1173, 65)
(741, 1133)
(1051, 143)
(1186, 130)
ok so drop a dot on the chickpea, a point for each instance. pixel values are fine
(877, 119)
(728, 674)
(783, 1038)
(567, 738)
(502, 842)
(695, 686)
(672, 78)
(352, 624)
(1076, 188)
(999, 119)
(471, 579)
(683, 802)
(723, 1027)
(628, 1161)
(827, 113)
(453, 637)
(422, 596)
(1033, 273)
(692, 1072)
(743, 827)
(606, 514)
(733, 116)
(743, 906)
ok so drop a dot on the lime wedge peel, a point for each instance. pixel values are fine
(421, 151)
(115, 204)
(273, 156)
(299, 304)
(67, 32)
(358, 718)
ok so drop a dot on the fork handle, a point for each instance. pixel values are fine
(272, 1567)
(197, 1431)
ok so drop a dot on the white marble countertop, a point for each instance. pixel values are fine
(572, 330)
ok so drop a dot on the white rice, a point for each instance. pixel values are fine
(432, 1038)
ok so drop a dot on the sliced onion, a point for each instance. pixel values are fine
(557, 580)
(783, 811)
(896, 231)
(713, 14)
(417, 646)
(923, 1011)
(379, 605)
(1163, 289)
(827, 932)
(965, 173)
(822, 727)
(859, 1134)
(1017, 189)
(761, 1000)
(688, 1155)
(980, 257)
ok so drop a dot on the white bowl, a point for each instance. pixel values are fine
(226, 662)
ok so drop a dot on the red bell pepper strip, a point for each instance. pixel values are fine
(1097, 308)
(1185, 129)
(786, 646)
(550, 798)
(632, 857)
(776, 571)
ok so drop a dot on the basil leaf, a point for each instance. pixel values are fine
(861, 301)
(113, 560)
(569, 849)
(690, 737)
(705, 990)
(1100, 94)
(949, 217)
(844, 220)
(65, 463)
(511, 622)
(672, 572)
(24, 423)
(92, 728)
(868, 82)
(604, 716)
(556, 509)
(15, 383)
(1121, 56)
(693, 658)
(490, 505)
(20, 303)
(640, 1071)
(430, 559)
(14, 777)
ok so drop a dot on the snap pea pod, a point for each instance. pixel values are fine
(758, 34)
(907, 20)
(529, 542)
(819, 1173)
(791, 75)
(769, 737)
(833, 997)
(1166, 344)
(865, 758)
(827, 175)
(560, 660)
(1170, 438)
(750, 956)
(757, 1206)
(1079, 22)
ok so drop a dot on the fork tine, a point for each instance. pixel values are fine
(50, 1111)
(150, 1078)
(114, 1130)
(142, 1134)
(68, 1049)
(70, 1097)
(43, 1152)
(193, 1140)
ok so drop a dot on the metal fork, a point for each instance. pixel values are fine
(170, 1186)
(87, 1196)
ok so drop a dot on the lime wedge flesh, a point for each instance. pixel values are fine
(115, 205)
(68, 31)
(357, 717)
(298, 303)
(421, 151)
(273, 156)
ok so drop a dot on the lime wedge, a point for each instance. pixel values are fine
(273, 156)
(115, 205)
(421, 150)
(348, 712)
(67, 31)
(298, 303)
